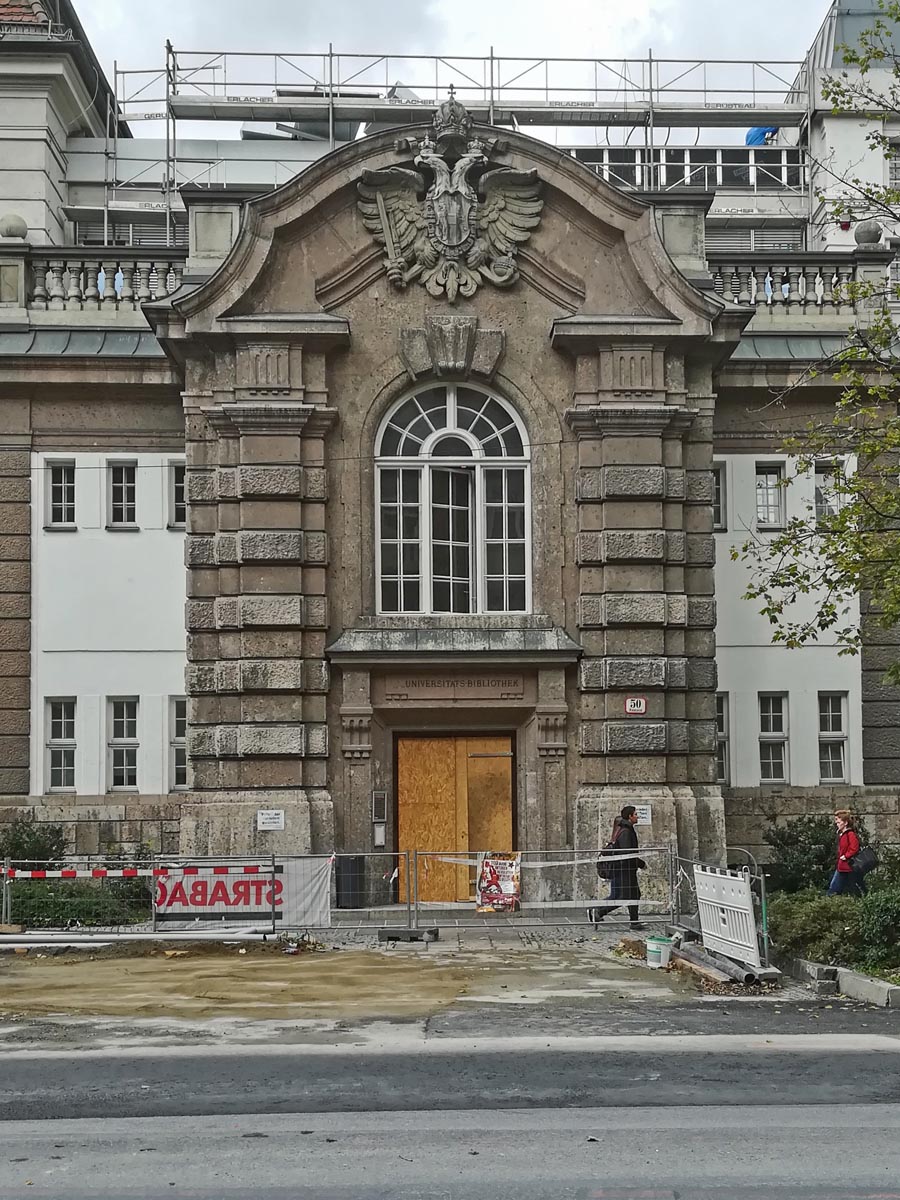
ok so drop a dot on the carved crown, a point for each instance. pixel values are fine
(452, 125)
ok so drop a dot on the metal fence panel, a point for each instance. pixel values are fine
(727, 917)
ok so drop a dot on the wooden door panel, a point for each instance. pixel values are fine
(427, 804)
(489, 777)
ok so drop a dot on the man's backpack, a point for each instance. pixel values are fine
(604, 864)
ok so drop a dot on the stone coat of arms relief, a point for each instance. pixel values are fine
(457, 221)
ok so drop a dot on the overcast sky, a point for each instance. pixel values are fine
(135, 33)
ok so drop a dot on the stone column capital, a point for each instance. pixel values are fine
(602, 420)
(277, 417)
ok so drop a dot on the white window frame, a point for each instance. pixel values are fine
(478, 464)
(832, 737)
(723, 737)
(828, 467)
(114, 743)
(64, 744)
(112, 464)
(720, 478)
(176, 465)
(52, 465)
(769, 737)
(177, 743)
(767, 468)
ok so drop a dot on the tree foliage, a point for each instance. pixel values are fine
(811, 574)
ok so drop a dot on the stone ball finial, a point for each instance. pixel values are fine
(13, 226)
(868, 233)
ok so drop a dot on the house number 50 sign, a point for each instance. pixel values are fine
(635, 706)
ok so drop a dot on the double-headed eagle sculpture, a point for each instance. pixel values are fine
(461, 228)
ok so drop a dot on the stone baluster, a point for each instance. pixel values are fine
(745, 283)
(718, 275)
(74, 268)
(57, 291)
(178, 273)
(777, 274)
(39, 286)
(829, 299)
(794, 298)
(758, 286)
(843, 301)
(91, 293)
(143, 289)
(162, 279)
(109, 297)
(127, 294)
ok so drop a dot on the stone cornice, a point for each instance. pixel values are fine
(598, 419)
(263, 416)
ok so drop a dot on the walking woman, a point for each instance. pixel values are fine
(623, 877)
(846, 880)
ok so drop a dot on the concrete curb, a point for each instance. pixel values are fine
(833, 981)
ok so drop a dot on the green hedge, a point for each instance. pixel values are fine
(846, 931)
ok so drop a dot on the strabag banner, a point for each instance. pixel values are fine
(499, 887)
(297, 893)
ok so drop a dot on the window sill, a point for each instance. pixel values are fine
(720, 528)
(60, 791)
(123, 528)
(52, 528)
(122, 791)
(177, 527)
(760, 528)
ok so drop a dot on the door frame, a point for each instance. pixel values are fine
(430, 735)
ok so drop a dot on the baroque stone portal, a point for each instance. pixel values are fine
(450, 237)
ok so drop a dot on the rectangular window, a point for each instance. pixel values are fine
(833, 737)
(401, 548)
(723, 765)
(773, 738)
(61, 745)
(504, 539)
(177, 506)
(121, 495)
(177, 744)
(61, 494)
(451, 540)
(828, 499)
(123, 744)
(770, 496)
(718, 504)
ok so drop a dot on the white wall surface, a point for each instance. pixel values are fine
(748, 663)
(108, 617)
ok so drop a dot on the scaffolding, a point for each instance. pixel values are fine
(328, 97)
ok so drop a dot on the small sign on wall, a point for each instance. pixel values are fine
(269, 819)
(635, 706)
(644, 814)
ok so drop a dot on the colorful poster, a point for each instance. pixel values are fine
(499, 887)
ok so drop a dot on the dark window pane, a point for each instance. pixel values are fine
(390, 441)
(389, 523)
(516, 522)
(420, 429)
(389, 595)
(493, 486)
(441, 524)
(411, 596)
(460, 489)
(482, 429)
(442, 560)
(411, 486)
(441, 594)
(440, 487)
(494, 558)
(389, 558)
(461, 526)
(410, 522)
(388, 485)
(461, 597)
(411, 559)
(517, 559)
(495, 600)
(452, 447)
(513, 443)
(493, 522)
(515, 487)
(517, 595)
(492, 447)
(461, 562)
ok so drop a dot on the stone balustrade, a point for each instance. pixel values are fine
(105, 279)
(793, 282)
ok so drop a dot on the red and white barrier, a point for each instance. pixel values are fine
(133, 872)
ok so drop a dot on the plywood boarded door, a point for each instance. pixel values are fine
(453, 794)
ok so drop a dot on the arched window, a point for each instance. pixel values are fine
(454, 521)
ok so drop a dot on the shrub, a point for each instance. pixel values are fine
(32, 843)
(811, 925)
(880, 928)
(804, 851)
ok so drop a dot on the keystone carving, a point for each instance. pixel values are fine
(451, 345)
(454, 223)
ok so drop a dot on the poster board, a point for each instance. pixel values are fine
(296, 895)
(499, 884)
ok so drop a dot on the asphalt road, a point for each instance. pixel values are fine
(773, 1153)
(403, 1072)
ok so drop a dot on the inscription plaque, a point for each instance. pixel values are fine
(410, 686)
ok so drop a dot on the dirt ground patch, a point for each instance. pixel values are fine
(264, 984)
